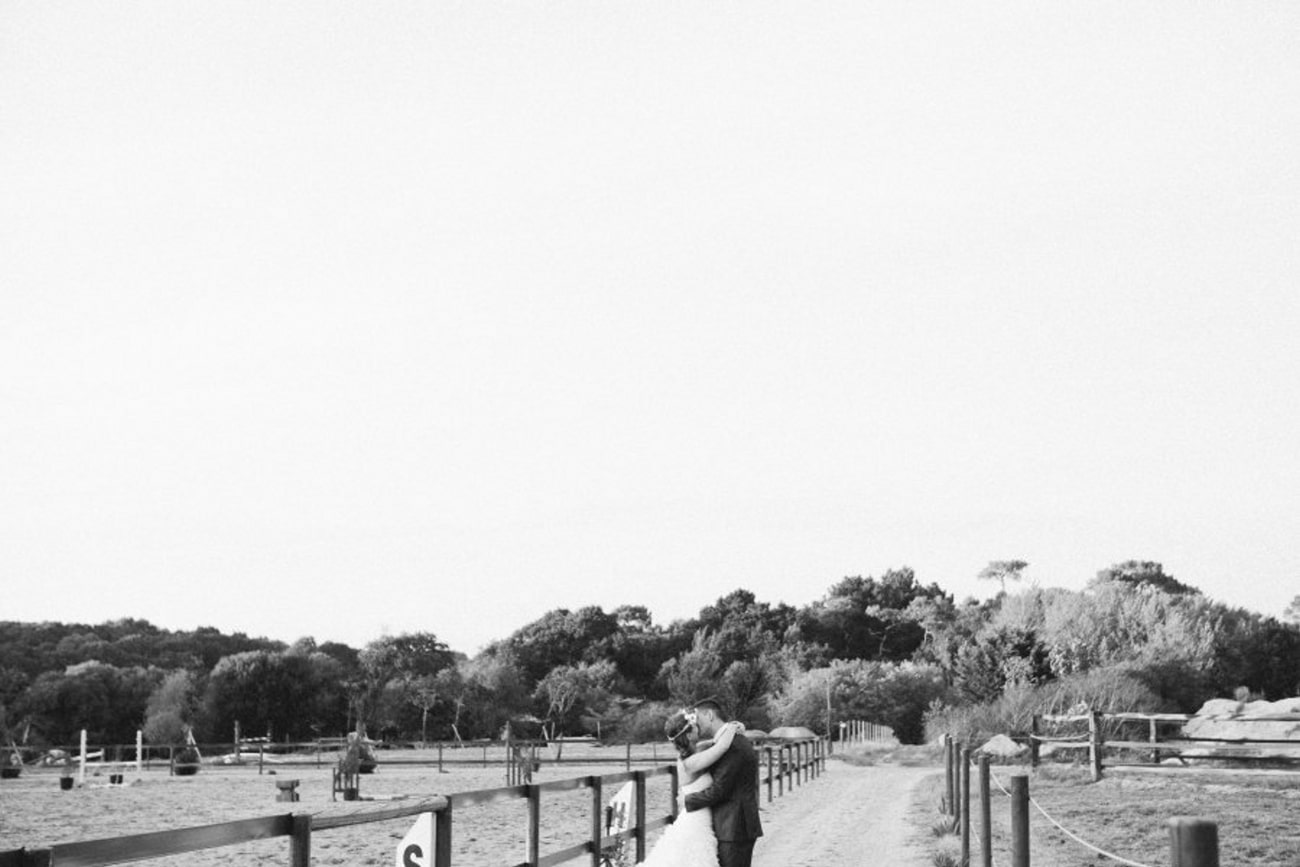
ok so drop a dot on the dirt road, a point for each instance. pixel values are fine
(850, 816)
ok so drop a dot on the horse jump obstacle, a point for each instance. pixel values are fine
(114, 778)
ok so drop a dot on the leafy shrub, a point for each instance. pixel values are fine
(1110, 690)
(644, 723)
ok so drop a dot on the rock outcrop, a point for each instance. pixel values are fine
(1227, 720)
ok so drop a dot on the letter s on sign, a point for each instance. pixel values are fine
(417, 847)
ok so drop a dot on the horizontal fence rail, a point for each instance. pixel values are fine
(1090, 732)
(783, 765)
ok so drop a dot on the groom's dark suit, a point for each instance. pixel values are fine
(734, 799)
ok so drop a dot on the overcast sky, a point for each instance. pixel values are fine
(345, 318)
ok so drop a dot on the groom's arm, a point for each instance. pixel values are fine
(726, 774)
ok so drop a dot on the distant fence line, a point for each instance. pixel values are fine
(325, 752)
(863, 732)
(320, 753)
(783, 767)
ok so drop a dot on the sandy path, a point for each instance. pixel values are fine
(850, 816)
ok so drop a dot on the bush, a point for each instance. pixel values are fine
(1110, 690)
(644, 723)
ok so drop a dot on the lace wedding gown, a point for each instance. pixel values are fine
(689, 841)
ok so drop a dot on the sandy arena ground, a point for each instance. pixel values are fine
(847, 817)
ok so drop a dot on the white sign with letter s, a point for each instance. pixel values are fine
(416, 848)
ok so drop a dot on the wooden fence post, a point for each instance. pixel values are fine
(597, 822)
(442, 837)
(965, 806)
(986, 816)
(535, 820)
(1094, 743)
(1033, 740)
(947, 775)
(1193, 842)
(638, 779)
(1019, 820)
(767, 750)
(300, 841)
(1151, 734)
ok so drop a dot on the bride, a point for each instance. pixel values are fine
(689, 841)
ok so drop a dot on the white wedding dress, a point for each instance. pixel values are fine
(689, 841)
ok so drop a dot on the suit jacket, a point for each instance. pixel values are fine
(733, 794)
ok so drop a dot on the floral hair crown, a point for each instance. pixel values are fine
(688, 721)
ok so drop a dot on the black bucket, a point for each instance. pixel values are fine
(65, 783)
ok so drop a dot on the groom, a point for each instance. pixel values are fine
(733, 794)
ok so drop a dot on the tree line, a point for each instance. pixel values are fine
(889, 649)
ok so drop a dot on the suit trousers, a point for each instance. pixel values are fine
(735, 853)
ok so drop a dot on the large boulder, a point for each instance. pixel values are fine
(1002, 747)
(1227, 720)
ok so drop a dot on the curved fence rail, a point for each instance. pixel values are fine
(784, 766)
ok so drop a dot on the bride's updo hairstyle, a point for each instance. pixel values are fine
(677, 728)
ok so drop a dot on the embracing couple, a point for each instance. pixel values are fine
(719, 771)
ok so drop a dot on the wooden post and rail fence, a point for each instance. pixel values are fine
(1155, 748)
(1193, 841)
(783, 767)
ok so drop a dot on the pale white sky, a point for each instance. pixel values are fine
(337, 318)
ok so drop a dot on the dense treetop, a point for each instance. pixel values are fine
(885, 648)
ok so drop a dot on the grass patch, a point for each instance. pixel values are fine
(1127, 814)
(888, 754)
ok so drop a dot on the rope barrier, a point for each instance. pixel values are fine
(1085, 843)
(1076, 838)
(979, 839)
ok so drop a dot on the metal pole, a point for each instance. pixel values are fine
(828, 705)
